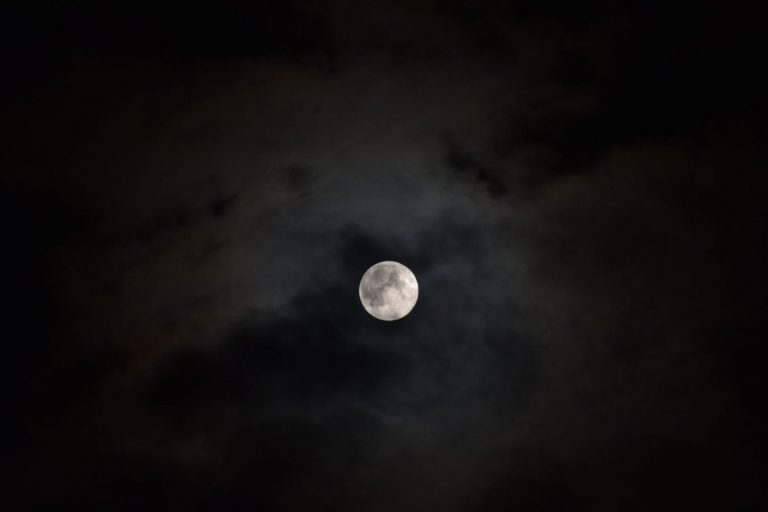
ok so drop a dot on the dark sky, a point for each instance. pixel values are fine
(190, 195)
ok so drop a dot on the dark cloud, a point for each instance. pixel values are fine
(465, 165)
(194, 194)
(221, 205)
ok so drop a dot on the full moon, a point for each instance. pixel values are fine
(388, 290)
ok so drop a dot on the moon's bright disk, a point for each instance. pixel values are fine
(388, 290)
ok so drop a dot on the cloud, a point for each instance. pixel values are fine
(587, 293)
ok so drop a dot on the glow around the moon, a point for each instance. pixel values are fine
(388, 290)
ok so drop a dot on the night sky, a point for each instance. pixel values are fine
(191, 193)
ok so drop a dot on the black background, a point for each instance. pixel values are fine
(191, 193)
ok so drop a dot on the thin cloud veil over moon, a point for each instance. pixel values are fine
(389, 290)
